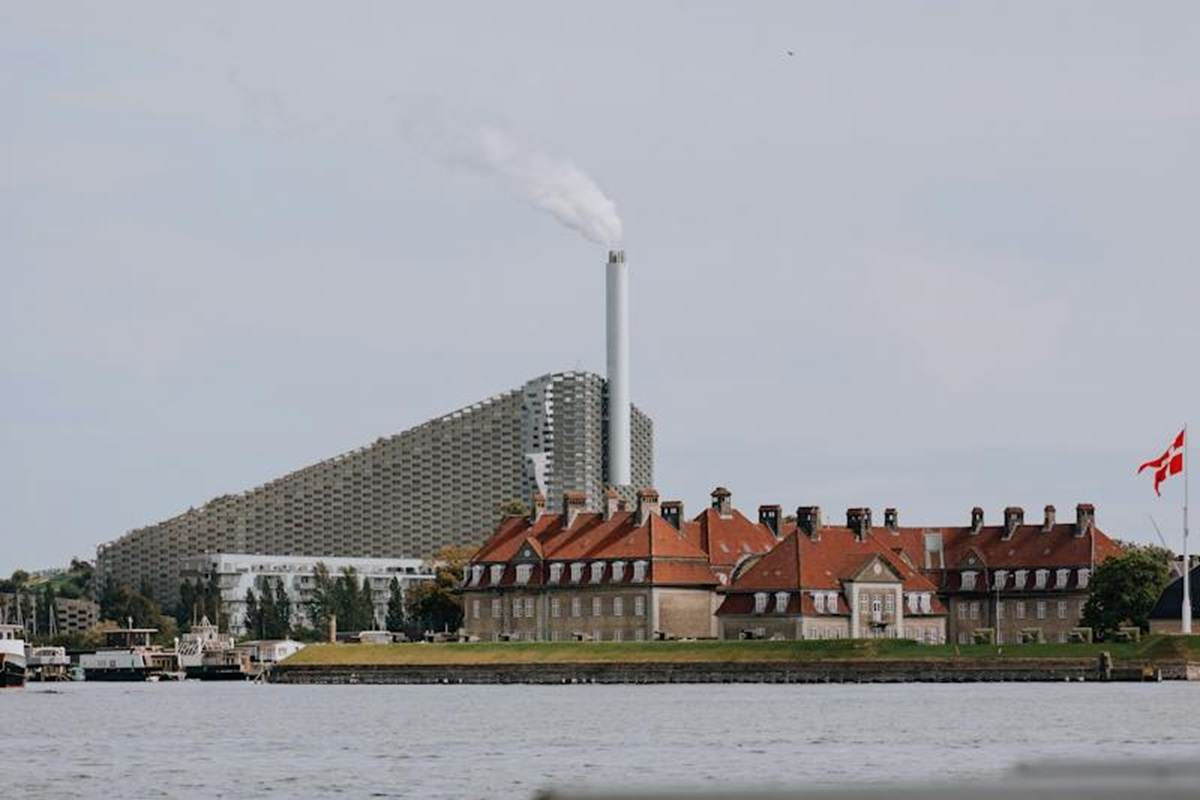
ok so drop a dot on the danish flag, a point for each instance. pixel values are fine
(1168, 464)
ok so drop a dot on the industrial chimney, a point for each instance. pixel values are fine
(617, 301)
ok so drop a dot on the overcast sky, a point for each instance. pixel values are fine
(943, 255)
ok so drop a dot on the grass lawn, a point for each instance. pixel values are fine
(1153, 647)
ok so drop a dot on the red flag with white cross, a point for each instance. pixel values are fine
(1168, 464)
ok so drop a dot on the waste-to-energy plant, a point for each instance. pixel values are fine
(440, 483)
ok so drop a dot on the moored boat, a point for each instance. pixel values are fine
(47, 664)
(12, 655)
(128, 655)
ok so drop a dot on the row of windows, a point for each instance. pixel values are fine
(595, 571)
(618, 635)
(1018, 608)
(965, 637)
(524, 607)
(1041, 578)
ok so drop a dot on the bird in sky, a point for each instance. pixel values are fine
(791, 52)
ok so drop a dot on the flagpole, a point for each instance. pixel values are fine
(1185, 617)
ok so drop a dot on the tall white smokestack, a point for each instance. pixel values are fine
(617, 303)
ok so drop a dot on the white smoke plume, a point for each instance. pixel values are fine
(554, 185)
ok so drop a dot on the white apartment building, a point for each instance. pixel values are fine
(237, 572)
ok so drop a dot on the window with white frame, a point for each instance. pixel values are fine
(1019, 578)
(475, 609)
(781, 602)
(889, 603)
(926, 603)
(575, 607)
(639, 606)
(497, 573)
(1041, 609)
(597, 571)
(1001, 578)
(618, 571)
(911, 600)
(597, 609)
(576, 572)
(1020, 609)
(496, 610)
(864, 603)
(597, 635)
(618, 635)
(831, 603)
(639, 635)
(618, 606)
(529, 608)
(1000, 609)
(476, 574)
(516, 607)
(523, 573)
(1061, 577)
(1082, 576)
(639, 571)
(555, 607)
(1040, 578)
(1062, 609)
(968, 581)
(962, 609)
(974, 609)
(760, 602)
(819, 602)
(556, 571)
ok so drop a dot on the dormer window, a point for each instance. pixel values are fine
(639, 571)
(781, 602)
(1001, 577)
(760, 602)
(497, 573)
(926, 603)
(968, 581)
(831, 603)
(1082, 576)
(1019, 578)
(597, 571)
(1040, 577)
(556, 573)
(576, 572)
(913, 601)
(476, 574)
(618, 571)
(1061, 577)
(523, 573)
(819, 602)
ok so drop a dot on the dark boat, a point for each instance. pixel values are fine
(12, 656)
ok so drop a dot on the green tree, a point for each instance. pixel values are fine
(266, 609)
(512, 508)
(254, 616)
(395, 606)
(435, 605)
(1125, 588)
(322, 601)
(366, 607)
(283, 611)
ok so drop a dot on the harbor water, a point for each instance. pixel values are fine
(195, 739)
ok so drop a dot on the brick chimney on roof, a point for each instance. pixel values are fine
(1085, 518)
(1014, 516)
(891, 519)
(1048, 524)
(722, 502)
(672, 512)
(573, 504)
(976, 520)
(858, 520)
(808, 521)
(612, 502)
(539, 507)
(647, 500)
(769, 515)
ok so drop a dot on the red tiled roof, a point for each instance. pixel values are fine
(729, 539)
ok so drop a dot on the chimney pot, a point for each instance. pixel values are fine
(1085, 518)
(1014, 516)
(672, 512)
(647, 504)
(539, 507)
(721, 501)
(858, 520)
(1048, 524)
(573, 504)
(612, 502)
(769, 515)
(891, 519)
(808, 521)
(976, 520)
